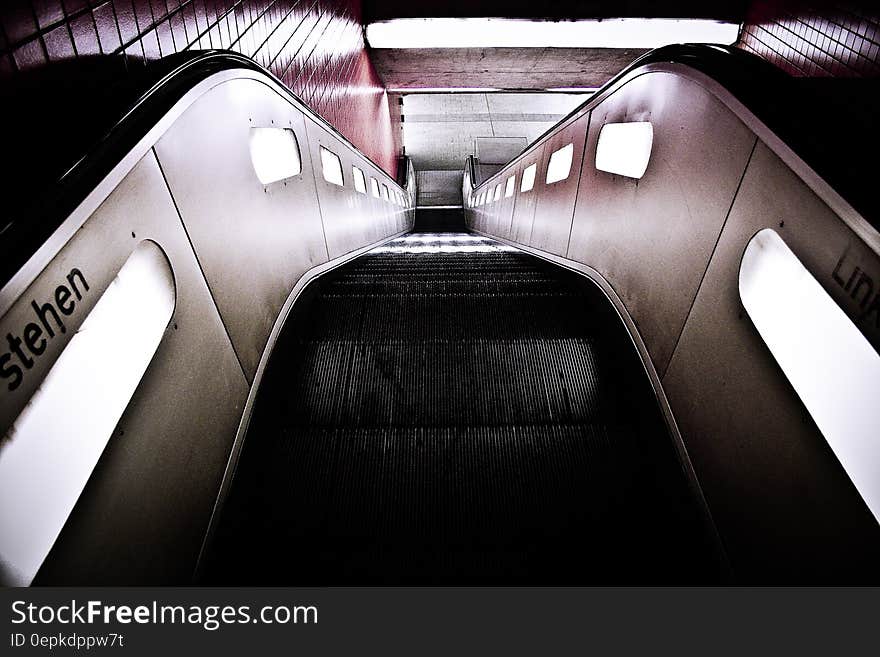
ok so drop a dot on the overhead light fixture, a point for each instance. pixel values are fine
(513, 33)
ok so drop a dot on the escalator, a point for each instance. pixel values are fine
(341, 395)
(448, 409)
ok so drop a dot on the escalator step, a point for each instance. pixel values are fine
(446, 409)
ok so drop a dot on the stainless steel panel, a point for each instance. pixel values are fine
(524, 208)
(651, 238)
(346, 213)
(143, 512)
(253, 241)
(352, 220)
(555, 202)
(783, 504)
(504, 214)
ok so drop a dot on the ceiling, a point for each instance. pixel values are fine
(440, 130)
(501, 68)
(523, 68)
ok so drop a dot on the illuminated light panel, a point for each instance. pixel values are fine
(360, 182)
(625, 148)
(528, 179)
(274, 154)
(831, 366)
(560, 164)
(498, 192)
(49, 453)
(331, 167)
(509, 187)
(513, 33)
(385, 192)
(374, 186)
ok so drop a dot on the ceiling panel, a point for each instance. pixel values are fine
(504, 68)
(439, 130)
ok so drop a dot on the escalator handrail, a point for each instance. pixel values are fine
(764, 90)
(25, 233)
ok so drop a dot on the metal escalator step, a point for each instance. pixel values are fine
(442, 416)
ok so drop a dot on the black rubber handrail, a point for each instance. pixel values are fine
(829, 123)
(795, 109)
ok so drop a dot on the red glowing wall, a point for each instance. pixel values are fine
(315, 47)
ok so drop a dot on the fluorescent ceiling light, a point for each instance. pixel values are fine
(512, 33)
(625, 148)
(829, 363)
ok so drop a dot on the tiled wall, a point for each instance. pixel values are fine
(315, 46)
(816, 39)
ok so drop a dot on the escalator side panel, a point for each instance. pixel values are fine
(771, 476)
(149, 499)
(669, 246)
(152, 490)
(653, 237)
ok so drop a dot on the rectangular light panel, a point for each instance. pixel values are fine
(509, 187)
(625, 148)
(829, 363)
(49, 453)
(560, 164)
(331, 166)
(528, 179)
(274, 154)
(360, 183)
(513, 33)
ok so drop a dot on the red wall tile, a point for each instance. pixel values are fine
(815, 39)
(315, 47)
